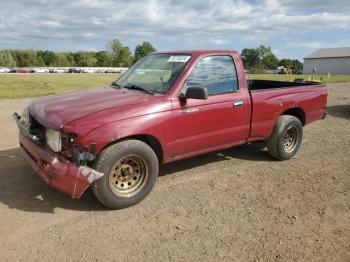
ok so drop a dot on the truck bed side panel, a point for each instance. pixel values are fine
(269, 104)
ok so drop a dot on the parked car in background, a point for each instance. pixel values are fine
(58, 70)
(272, 71)
(40, 70)
(13, 70)
(74, 70)
(100, 71)
(4, 70)
(88, 70)
(297, 72)
(109, 71)
(23, 70)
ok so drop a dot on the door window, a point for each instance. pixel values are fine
(216, 73)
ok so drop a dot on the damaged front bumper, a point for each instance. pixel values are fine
(57, 171)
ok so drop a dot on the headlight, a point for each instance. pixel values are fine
(25, 116)
(53, 139)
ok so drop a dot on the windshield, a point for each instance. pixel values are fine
(155, 73)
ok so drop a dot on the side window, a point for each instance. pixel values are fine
(216, 73)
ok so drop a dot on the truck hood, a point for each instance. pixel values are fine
(58, 110)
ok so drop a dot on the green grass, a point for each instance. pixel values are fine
(34, 85)
(325, 79)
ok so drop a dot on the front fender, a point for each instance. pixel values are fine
(155, 125)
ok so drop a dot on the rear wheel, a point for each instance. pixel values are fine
(130, 168)
(286, 137)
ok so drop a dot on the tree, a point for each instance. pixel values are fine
(84, 59)
(6, 59)
(297, 65)
(27, 58)
(259, 58)
(264, 51)
(142, 50)
(121, 54)
(39, 61)
(251, 58)
(124, 58)
(287, 63)
(104, 58)
(114, 46)
(61, 60)
(270, 61)
(48, 57)
(70, 58)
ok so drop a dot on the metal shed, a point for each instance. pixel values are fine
(329, 60)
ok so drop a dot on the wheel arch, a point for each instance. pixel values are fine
(297, 112)
(150, 140)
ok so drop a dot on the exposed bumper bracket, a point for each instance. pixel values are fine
(56, 170)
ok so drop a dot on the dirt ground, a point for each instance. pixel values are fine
(235, 205)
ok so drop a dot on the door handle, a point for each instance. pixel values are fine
(238, 104)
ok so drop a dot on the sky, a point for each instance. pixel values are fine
(293, 29)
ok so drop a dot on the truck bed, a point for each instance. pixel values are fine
(254, 84)
(270, 99)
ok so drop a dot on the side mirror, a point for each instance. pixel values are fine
(196, 93)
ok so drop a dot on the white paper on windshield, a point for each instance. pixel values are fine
(179, 58)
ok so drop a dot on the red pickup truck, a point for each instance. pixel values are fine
(168, 106)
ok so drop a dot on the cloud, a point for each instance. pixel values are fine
(317, 5)
(70, 24)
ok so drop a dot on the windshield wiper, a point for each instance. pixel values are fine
(136, 87)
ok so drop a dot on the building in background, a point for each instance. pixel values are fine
(328, 60)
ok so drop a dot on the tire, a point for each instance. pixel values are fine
(131, 168)
(286, 137)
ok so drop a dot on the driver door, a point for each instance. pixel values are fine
(220, 121)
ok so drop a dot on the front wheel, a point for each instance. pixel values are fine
(131, 169)
(286, 137)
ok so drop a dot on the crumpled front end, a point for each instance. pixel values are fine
(56, 170)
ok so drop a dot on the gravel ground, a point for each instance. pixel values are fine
(234, 205)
